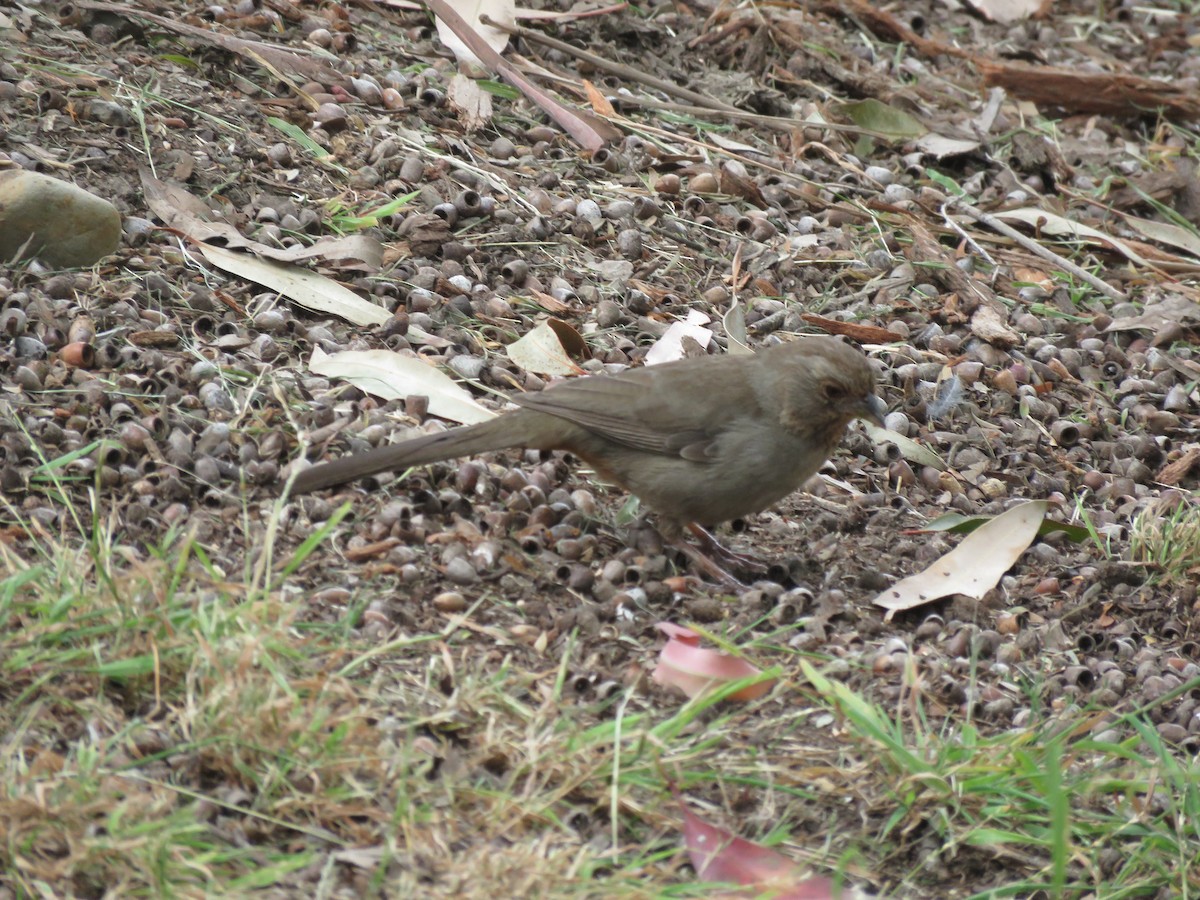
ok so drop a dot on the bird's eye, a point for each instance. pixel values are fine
(833, 392)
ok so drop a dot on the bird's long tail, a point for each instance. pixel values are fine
(514, 429)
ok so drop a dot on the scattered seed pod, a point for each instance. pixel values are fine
(515, 272)
(367, 90)
(449, 602)
(1008, 624)
(79, 354)
(12, 321)
(887, 453)
(320, 37)
(629, 243)
(607, 160)
(668, 184)
(27, 378)
(930, 628)
(391, 99)
(343, 42)
(1080, 676)
(280, 155)
(469, 203)
(330, 117)
(448, 212)
(645, 208)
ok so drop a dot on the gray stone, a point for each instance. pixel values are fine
(55, 221)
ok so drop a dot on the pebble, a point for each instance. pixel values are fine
(64, 225)
(450, 602)
(879, 174)
(460, 571)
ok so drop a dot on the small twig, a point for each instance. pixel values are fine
(778, 123)
(1038, 250)
(967, 238)
(698, 105)
(607, 65)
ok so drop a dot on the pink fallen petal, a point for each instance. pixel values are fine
(718, 855)
(695, 669)
(679, 633)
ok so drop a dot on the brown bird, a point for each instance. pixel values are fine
(700, 441)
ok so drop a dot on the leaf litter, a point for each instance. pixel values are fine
(492, 586)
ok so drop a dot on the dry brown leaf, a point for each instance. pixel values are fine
(551, 304)
(987, 325)
(600, 104)
(310, 290)
(1126, 96)
(267, 55)
(864, 334)
(181, 210)
(154, 339)
(1175, 310)
(1026, 275)
(1174, 472)
(546, 349)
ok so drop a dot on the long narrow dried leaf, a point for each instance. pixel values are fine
(385, 374)
(1166, 233)
(878, 117)
(908, 448)
(864, 334)
(310, 290)
(1054, 224)
(265, 54)
(600, 104)
(959, 524)
(1174, 310)
(583, 133)
(500, 11)
(180, 209)
(975, 566)
(1076, 91)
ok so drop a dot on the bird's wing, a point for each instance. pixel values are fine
(642, 409)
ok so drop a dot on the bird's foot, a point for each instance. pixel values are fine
(708, 565)
(716, 560)
(726, 558)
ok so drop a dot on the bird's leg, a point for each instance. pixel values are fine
(670, 531)
(722, 555)
(707, 564)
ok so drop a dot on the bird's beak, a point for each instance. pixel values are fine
(872, 409)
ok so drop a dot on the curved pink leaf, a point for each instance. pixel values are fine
(718, 855)
(694, 669)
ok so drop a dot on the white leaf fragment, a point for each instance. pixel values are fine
(385, 374)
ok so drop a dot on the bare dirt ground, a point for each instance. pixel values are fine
(1024, 379)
